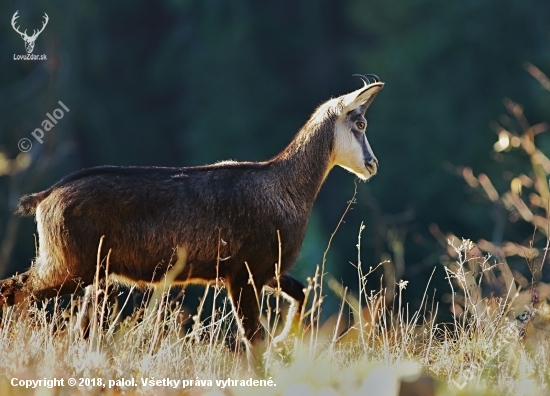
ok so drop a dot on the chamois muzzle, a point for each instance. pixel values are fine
(372, 166)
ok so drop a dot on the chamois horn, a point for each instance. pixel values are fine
(365, 78)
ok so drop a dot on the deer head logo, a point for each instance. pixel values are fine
(29, 40)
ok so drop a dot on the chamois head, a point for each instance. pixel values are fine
(351, 148)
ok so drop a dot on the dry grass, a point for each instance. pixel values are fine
(482, 350)
(384, 350)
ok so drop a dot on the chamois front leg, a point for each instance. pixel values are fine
(293, 292)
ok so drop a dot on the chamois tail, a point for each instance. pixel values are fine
(28, 203)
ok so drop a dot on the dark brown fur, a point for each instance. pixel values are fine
(146, 212)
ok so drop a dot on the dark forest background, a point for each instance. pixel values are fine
(181, 83)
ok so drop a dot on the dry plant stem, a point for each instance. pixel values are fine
(303, 313)
(213, 315)
(170, 275)
(312, 337)
(547, 233)
(235, 305)
(160, 293)
(197, 318)
(278, 277)
(156, 327)
(362, 287)
(339, 317)
(268, 313)
(399, 316)
(271, 328)
(117, 318)
(216, 289)
(322, 275)
(385, 338)
(431, 339)
(251, 282)
(450, 276)
(96, 290)
(80, 317)
(424, 300)
(105, 298)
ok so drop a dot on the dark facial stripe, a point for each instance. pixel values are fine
(367, 154)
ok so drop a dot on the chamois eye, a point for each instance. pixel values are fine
(360, 124)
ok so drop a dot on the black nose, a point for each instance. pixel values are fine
(372, 165)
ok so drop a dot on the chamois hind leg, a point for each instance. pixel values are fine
(245, 306)
(39, 283)
(12, 289)
(293, 291)
(82, 324)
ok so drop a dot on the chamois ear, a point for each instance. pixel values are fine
(363, 97)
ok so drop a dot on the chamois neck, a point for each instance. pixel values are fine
(304, 164)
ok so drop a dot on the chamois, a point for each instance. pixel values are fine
(145, 213)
